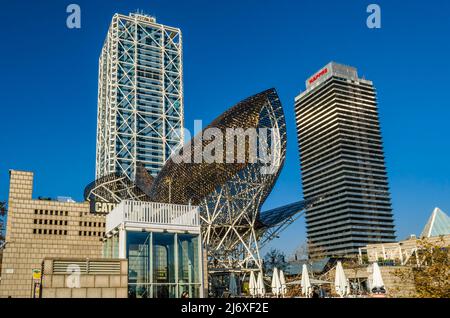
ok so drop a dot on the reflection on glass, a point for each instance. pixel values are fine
(138, 251)
(139, 291)
(152, 258)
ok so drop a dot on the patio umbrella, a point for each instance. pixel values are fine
(253, 287)
(306, 283)
(340, 281)
(261, 290)
(377, 279)
(283, 283)
(276, 286)
(233, 287)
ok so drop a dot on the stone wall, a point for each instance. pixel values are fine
(92, 283)
(37, 229)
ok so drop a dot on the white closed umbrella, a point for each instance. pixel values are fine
(283, 284)
(233, 285)
(306, 283)
(377, 279)
(260, 283)
(340, 281)
(276, 286)
(253, 287)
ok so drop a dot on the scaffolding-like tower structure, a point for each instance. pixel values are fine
(140, 96)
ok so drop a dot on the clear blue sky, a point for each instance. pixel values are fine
(233, 49)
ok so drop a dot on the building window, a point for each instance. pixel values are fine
(162, 251)
(65, 232)
(34, 231)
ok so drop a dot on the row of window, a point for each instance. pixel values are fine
(90, 233)
(49, 232)
(50, 222)
(93, 224)
(51, 212)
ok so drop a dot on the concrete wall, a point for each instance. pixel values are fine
(92, 285)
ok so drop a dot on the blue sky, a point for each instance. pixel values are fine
(233, 49)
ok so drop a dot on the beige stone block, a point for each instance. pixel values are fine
(124, 267)
(108, 293)
(101, 281)
(87, 281)
(121, 292)
(48, 292)
(124, 281)
(114, 281)
(94, 293)
(58, 281)
(79, 292)
(63, 292)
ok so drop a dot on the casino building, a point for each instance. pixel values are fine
(342, 162)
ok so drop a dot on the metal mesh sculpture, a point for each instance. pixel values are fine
(230, 194)
(113, 188)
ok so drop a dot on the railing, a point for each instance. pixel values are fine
(152, 213)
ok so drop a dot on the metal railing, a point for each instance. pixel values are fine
(152, 213)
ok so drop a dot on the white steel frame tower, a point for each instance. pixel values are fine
(140, 96)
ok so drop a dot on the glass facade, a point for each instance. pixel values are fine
(111, 247)
(163, 265)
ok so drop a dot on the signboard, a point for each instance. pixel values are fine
(318, 75)
(37, 274)
(101, 207)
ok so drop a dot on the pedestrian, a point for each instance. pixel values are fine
(185, 294)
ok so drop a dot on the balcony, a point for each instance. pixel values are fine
(149, 215)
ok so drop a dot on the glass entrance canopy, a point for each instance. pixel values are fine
(163, 246)
(163, 265)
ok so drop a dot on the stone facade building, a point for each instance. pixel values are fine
(39, 229)
(85, 278)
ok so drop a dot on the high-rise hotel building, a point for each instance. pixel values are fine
(140, 96)
(342, 163)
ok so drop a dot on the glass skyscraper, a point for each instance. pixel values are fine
(342, 163)
(140, 96)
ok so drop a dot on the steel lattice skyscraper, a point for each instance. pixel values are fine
(342, 163)
(140, 97)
